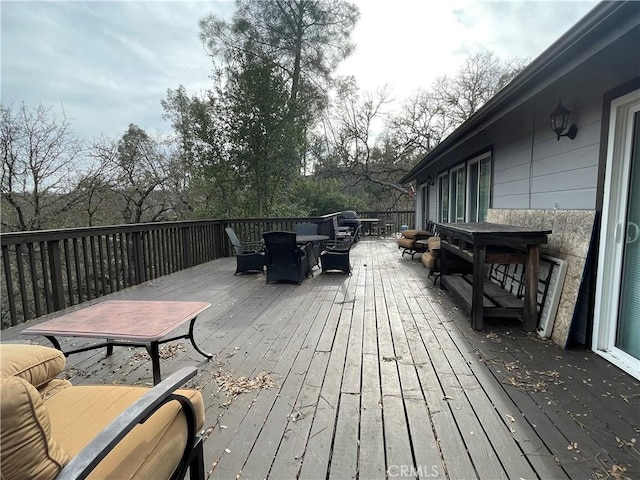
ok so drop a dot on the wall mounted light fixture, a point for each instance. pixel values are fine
(559, 122)
(430, 181)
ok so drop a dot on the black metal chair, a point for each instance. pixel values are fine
(341, 234)
(249, 256)
(284, 259)
(335, 257)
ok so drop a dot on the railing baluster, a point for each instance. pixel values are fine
(117, 252)
(67, 267)
(94, 266)
(109, 261)
(101, 265)
(45, 278)
(34, 279)
(87, 275)
(55, 267)
(8, 282)
(76, 260)
(22, 283)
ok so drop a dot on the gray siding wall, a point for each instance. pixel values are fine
(532, 169)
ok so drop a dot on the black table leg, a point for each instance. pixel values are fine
(193, 342)
(55, 343)
(154, 353)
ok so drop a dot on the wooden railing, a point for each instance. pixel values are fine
(48, 270)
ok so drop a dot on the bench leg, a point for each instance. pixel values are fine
(530, 314)
(477, 301)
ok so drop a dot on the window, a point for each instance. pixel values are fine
(478, 188)
(464, 192)
(458, 194)
(443, 196)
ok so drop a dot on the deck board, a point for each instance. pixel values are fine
(378, 374)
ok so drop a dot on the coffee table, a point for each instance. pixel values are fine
(125, 323)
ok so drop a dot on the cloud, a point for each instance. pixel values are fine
(110, 63)
(408, 43)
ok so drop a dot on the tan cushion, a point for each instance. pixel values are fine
(405, 242)
(413, 233)
(433, 243)
(152, 450)
(54, 386)
(429, 259)
(35, 363)
(27, 447)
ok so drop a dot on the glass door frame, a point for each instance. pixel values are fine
(610, 256)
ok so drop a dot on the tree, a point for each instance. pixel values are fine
(264, 134)
(304, 39)
(139, 165)
(480, 78)
(40, 158)
(349, 148)
(428, 116)
(211, 183)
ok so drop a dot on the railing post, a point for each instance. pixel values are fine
(55, 266)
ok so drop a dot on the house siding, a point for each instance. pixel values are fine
(538, 171)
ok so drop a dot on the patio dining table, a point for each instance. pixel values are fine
(304, 239)
(369, 223)
(313, 253)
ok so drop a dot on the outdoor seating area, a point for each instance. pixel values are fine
(370, 375)
(291, 256)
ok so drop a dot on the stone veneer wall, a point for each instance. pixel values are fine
(569, 241)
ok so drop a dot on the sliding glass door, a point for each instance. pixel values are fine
(617, 316)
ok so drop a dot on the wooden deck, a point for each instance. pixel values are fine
(379, 375)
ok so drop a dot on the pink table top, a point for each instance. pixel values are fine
(122, 319)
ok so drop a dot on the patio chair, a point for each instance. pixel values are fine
(249, 256)
(335, 256)
(284, 259)
(52, 429)
(340, 233)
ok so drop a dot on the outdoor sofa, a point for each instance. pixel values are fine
(51, 429)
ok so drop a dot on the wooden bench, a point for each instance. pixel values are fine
(504, 290)
(482, 243)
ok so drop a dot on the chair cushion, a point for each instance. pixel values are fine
(54, 386)
(36, 364)
(433, 243)
(27, 447)
(429, 259)
(413, 233)
(405, 242)
(151, 450)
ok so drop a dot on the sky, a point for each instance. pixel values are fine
(107, 64)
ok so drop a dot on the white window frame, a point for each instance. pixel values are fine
(452, 213)
(476, 161)
(439, 217)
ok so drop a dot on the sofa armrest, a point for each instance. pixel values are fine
(90, 456)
